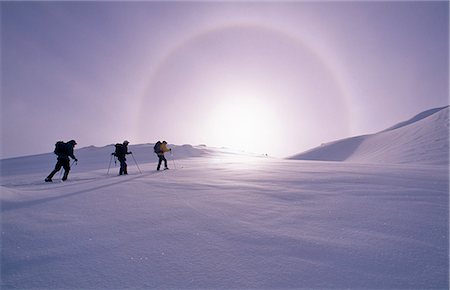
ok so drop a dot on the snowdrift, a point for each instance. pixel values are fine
(424, 139)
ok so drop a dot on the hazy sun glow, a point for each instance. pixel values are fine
(244, 122)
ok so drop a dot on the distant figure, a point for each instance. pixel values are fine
(64, 151)
(160, 148)
(121, 151)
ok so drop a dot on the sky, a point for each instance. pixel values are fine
(275, 78)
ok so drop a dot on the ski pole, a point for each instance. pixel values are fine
(136, 163)
(173, 160)
(109, 166)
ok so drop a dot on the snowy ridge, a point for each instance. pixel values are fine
(416, 118)
(423, 139)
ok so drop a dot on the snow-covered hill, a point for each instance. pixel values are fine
(220, 219)
(424, 139)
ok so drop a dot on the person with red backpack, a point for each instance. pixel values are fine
(160, 148)
(63, 151)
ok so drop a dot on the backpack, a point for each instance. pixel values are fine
(60, 148)
(157, 147)
(119, 149)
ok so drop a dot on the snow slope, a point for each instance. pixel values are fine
(424, 139)
(225, 220)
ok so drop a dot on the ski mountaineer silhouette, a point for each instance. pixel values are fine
(63, 151)
(120, 152)
(160, 148)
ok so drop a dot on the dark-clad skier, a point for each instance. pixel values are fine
(63, 151)
(120, 153)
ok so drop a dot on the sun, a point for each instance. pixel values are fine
(244, 122)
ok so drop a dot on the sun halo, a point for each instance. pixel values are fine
(245, 123)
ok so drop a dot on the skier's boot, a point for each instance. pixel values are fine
(48, 180)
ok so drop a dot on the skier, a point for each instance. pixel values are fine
(64, 151)
(160, 148)
(121, 151)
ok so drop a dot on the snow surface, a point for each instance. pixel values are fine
(423, 139)
(225, 219)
